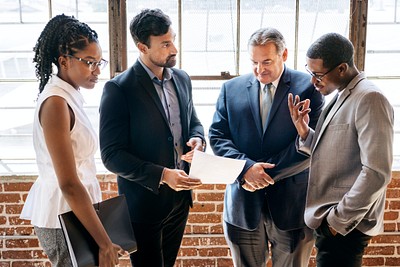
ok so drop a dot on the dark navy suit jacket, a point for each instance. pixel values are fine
(236, 132)
(136, 141)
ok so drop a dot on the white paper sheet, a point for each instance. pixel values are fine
(211, 169)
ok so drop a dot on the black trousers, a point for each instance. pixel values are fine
(339, 250)
(159, 243)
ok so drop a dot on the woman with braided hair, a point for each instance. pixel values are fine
(64, 139)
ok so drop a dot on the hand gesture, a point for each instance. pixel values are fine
(256, 178)
(179, 180)
(299, 111)
(195, 143)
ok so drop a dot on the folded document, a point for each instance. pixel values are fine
(211, 169)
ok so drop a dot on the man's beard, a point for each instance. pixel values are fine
(169, 63)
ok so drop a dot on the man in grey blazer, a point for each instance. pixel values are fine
(350, 152)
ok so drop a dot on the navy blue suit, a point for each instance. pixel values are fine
(236, 132)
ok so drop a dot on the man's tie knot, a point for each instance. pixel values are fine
(267, 87)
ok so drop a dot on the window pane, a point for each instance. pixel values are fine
(258, 14)
(320, 17)
(10, 11)
(35, 11)
(209, 37)
(383, 50)
(17, 102)
(382, 11)
(16, 54)
(169, 7)
(390, 89)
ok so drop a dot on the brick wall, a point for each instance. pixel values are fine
(203, 243)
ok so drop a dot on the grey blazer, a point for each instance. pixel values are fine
(351, 158)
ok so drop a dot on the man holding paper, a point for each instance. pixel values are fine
(147, 123)
(266, 202)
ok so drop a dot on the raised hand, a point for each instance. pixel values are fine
(299, 111)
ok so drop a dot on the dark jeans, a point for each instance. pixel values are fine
(159, 243)
(339, 250)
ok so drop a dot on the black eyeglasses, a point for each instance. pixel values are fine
(319, 77)
(92, 64)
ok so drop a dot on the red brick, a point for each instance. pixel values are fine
(10, 198)
(392, 261)
(14, 208)
(204, 187)
(104, 186)
(203, 243)
(386, 239)
(12, 231)
(394, 205)
(217, 229)
(212, 241)
(205, 218)
(214, 252)
(203, 207)
(109, 195)
(200, 229)
(31, 263)
(15, 220)
(17, 254)
(22, 243)
(220, 187)
(394, 183)
(190, 241)
(210, 197)
(220, 207)
(392, 215)
(3, 220)
(390, 227)
(378, 250)
(114, 187)
(391, 193)
(17, 187)
(198, 263)
(395, 175)
(187, 252)
(223, 262)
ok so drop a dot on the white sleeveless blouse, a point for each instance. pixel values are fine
(45, 200)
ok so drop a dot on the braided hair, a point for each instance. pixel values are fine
(63, 35)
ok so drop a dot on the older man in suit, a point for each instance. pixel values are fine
(256, 212)
(351, 154)
(147, 123)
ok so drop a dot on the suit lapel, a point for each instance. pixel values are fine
(148, 86)
(182, 107)
(328, 114)
(281, 93)
(253, 94)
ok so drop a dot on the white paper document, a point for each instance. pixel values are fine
(211, 169)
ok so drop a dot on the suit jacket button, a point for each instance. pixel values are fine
(170, 139)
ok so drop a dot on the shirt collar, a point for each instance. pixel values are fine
(167, 74)
(274, 83)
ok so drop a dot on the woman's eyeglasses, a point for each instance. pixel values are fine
(93, 65)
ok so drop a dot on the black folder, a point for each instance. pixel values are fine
(114, 215)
